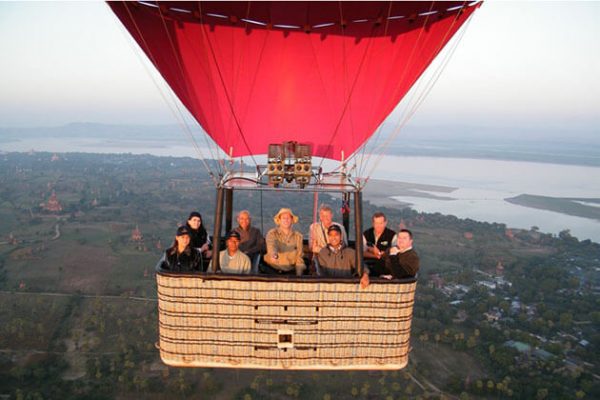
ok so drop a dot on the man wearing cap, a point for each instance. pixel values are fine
(317, 236)
(284, 244)
(232, 260)
(335, 259)
(181, 257)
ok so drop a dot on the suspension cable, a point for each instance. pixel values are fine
(363, 148)
(429, 86)
(349, 96)
(222, 79)
(258, 65)
(183, 76)
(401, 79)
(403, 119)
(175, 112)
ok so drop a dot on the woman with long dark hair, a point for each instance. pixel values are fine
(181, 257)
(199, 238)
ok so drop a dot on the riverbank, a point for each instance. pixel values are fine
(578, 207)
(380, 192)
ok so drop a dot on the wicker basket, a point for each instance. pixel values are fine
(283, 323)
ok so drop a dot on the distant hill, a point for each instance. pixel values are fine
(86, 130)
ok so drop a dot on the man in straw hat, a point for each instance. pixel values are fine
(284, 244)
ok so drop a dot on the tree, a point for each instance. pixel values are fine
(471, 342)
(541, 394)
(565, 321)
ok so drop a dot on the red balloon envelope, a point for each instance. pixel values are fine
(323, 73)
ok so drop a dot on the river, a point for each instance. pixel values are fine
(484, 184)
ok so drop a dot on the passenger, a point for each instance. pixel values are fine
(181, 257)
(284, 245)
(317, 234)
(199, 238)
(232, 260)
(402, 261)
(335, 259)
(377, 240)
(252, 242)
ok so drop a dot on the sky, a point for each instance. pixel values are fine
(519, 64)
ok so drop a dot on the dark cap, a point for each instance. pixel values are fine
(335, 228)
(233, 234)
(195, 214)
(182, 230)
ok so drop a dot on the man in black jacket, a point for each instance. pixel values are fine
(377, 240)
(401, 261)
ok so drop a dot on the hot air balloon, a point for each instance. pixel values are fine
(294, 81)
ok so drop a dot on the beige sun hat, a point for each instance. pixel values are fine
(277, 217)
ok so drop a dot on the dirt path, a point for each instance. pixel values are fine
(430, 385)
(57, 232)
(86, 296)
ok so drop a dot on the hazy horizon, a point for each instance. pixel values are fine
(416, 131)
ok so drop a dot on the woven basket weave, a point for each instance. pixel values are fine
(301, 323)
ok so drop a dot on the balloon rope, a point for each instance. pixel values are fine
(183, 78)
(401, 121)
(429, 86)
(315, 206)
(320, 73)
(178, 115)
(235, 80)
(363, 148)
(262, 220)
(349, 96)
(400, 80)
(346, 91)
(258, 65)
(200, 61)
(231, 108)
(210, 144)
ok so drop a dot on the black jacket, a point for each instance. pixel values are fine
(189, 260)
(385, 240)
(402, 265)
(383, 244)
(197, 236)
